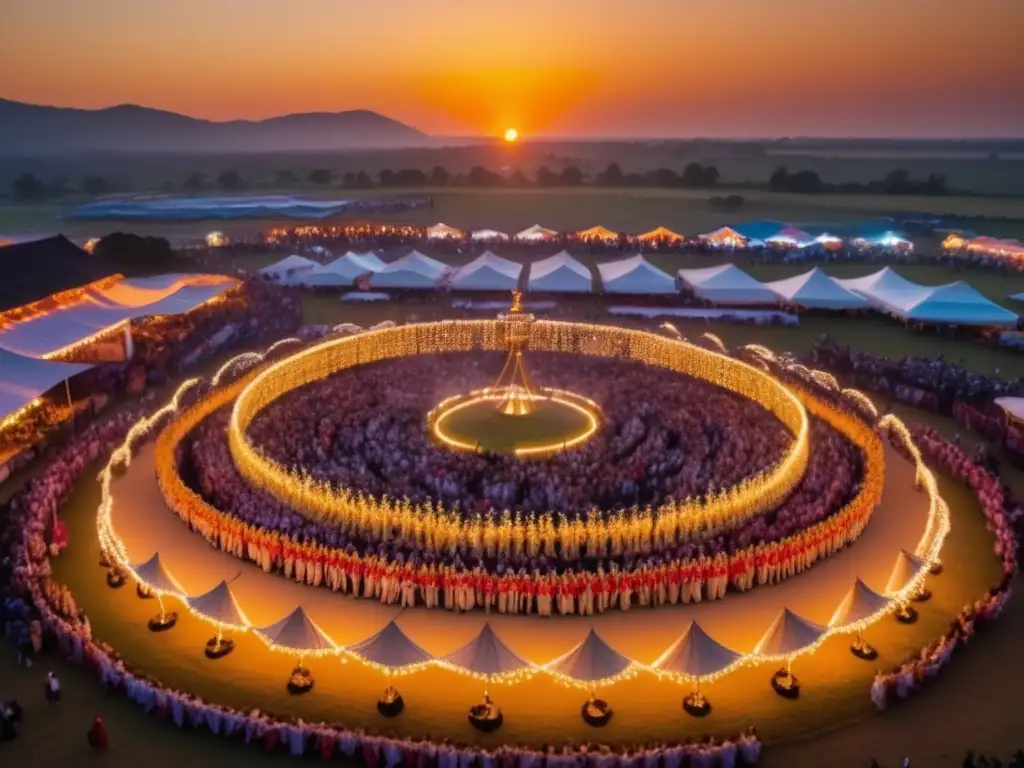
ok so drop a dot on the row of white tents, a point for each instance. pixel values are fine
(723, 285)
(693, 656)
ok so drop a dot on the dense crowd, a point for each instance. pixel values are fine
(920, 667)
(666, 437)
(26, 546)
(823, 514)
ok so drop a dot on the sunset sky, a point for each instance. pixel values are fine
(586, 68)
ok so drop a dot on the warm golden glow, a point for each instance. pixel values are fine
(511, 135)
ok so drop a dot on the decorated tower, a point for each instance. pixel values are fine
(514, 380)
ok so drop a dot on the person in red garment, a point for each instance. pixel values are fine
(97, 735)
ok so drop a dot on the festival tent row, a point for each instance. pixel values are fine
(23, 379)
(414, 270)
(560, 273)
(816, 290)
(488, 272)
(635, 276)
(953, 304)
(289, 270)
(100, 308)
(343, 271)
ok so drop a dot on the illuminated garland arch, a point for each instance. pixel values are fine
(430, 528)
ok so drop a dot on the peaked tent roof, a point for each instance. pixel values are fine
(298, 632)
(787, 635)
(957, 304)
(695, 655)
(860, 603)
(344, 270)
(23, 379)
(487, 234)
(390, 647)
(597, 233)
(816, 290)
(1014, 406)
(414, 270)
(635, 275)
(560, 273)
(154, 574)
(289, 265)
(536, 232)
(723, 234)
(727, 284)
(907, 567)
(592, 661)
(440, 230)
(34, 270)
(220, 605)
(488, 272)
(883, 288)
(487, 655)
(659, 233)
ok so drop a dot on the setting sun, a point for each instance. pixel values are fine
(511, 135)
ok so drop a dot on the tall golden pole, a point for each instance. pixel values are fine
(514, 379)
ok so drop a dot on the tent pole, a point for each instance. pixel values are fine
(71, 403)
(160, 602)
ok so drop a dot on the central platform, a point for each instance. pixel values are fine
(554, 421)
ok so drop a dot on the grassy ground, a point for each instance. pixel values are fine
(633, 210)
(481, 424)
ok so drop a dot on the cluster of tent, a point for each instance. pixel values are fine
(723, 285)
(692, 657)
(753, 234)
(1010, 251)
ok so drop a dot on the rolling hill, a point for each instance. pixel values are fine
(30, 129)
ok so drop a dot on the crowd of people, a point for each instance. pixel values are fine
(827, 510)
(26, 547)
(920, 667)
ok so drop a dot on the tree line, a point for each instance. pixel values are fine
(28, 187)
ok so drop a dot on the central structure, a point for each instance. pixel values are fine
(514, 381)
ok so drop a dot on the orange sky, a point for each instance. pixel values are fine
(549, 67)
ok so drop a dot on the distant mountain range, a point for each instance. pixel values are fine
(30, 129)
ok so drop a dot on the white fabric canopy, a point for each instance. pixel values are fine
(536, 233)
(298, 632)
(816, 290)
(440, 231)
(391, 648)
(1014, 406)
(488, 272)
(727, 284)
(906, 568)
(885, 282)
(591, 661)
(486, 654)
(344, 270)
(154, 574)
(635, 276)
(484, 235)
(100, 309)
(289, 268)
(956, 304)
(560, 273)
(787, 635)
(414, 270)
(220, 605)
(860, 603)
(695, 655)
(23, 379)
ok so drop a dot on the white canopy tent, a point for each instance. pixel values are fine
(635, 276)
(727, 284)
(955, 304)
(695, 655)
(289, 269)
(816, 290)
(906, 568)
(787, 636)
(154, 574)
(100, 309)
(488, 272)
(885, 283)
(560, 273)
(441, 231)
(414, 270)
(536, 234)
(23, 379)
(344, 270)
(220, 605)
(488, 656)
(1012, 406)
(390, 648)
(592, 661)
(298, 632)
(860, 603)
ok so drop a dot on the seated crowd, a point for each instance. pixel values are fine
(698, 433)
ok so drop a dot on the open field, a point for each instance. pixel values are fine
(628, 210)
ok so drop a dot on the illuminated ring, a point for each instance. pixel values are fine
(436, 529)
(586, 407)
